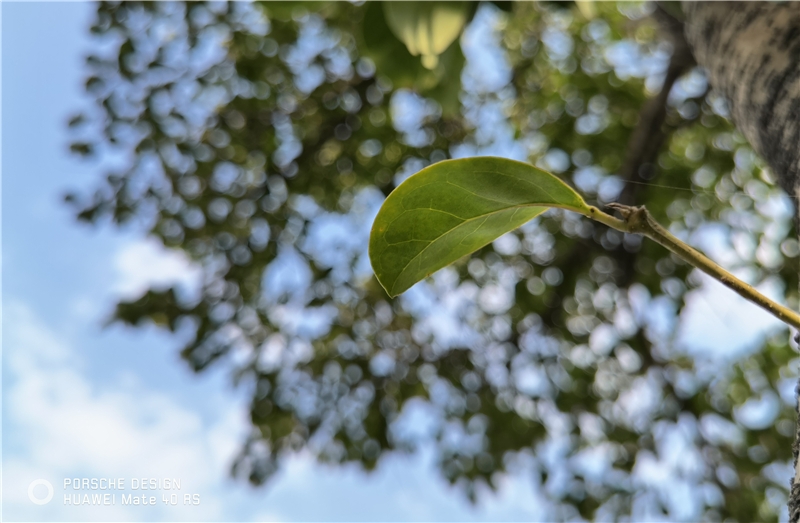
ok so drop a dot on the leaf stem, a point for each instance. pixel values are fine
(638, 220)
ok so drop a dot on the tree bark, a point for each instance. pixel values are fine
(751, 51)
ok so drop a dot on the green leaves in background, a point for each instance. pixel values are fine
(455, 207)
(573, 286)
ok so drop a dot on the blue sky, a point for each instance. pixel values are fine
(81, 400)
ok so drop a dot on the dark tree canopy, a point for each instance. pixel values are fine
(260, 140)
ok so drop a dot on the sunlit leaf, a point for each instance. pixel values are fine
(455, 207)
(393, 59)
(427, 28)
(587, 8)
(390, 55)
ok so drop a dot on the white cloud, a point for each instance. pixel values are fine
(402, 488)
(146, 263)
(62, 422)
(62, 425)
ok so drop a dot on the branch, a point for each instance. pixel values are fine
(637, 220)
(649, 135)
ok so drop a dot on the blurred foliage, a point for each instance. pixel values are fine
(260, 139)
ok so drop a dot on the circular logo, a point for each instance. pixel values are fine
(46, 499)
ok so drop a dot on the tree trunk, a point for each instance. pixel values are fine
(751, 51)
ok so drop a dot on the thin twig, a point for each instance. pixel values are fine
(649, 135)
(637, 220)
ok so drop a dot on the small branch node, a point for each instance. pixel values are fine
(636, 218)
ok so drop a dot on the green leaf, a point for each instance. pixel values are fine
(81, 148)
(389, 54)
(427, 28)
(393, 60)
(448, 81)
(455, 207)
